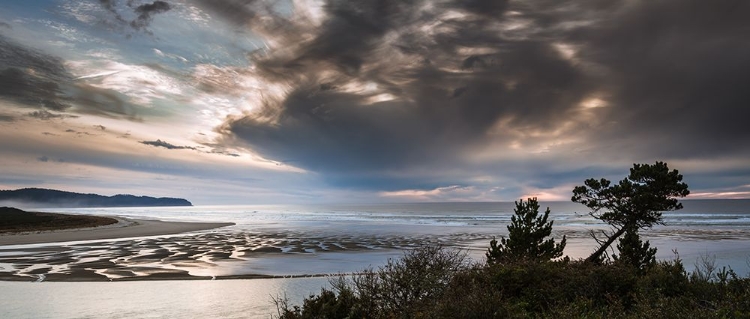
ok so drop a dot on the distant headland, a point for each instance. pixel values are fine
(40, 197)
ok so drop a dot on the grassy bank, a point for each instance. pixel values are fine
(13, 220)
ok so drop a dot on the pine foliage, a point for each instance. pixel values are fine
(635, 252)
(527, 237)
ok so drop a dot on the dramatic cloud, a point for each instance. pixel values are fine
(38, 80)
(381, 87)
(675, 75)
(31, 77)
(391, 86)
(385, 99)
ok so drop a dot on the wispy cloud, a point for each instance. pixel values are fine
(160, 143)
(47, 115)
(447, 193)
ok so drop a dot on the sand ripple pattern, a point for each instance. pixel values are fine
(215, 255)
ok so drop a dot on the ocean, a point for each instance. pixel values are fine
(309, 243)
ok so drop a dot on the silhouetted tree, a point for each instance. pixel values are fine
(635, 252)
(636, 202)
(526, 236)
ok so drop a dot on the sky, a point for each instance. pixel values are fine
(307, 101)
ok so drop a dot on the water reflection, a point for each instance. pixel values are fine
(152, 299)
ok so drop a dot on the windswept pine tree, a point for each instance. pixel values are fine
(634, 203)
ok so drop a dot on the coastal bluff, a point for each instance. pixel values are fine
(40, 197)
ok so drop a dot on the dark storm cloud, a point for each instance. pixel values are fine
(16, 84)
(38, 80)
(444, 100)
(160, 143)
(382, 87)
(146, 11)
(678, 75)
(490, 8)
(31, 77)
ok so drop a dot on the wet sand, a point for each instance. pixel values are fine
(256, 252)
(125, 228)
(220, 254)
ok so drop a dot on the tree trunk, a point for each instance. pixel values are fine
(599, 252)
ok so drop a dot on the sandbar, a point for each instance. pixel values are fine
(125, 228)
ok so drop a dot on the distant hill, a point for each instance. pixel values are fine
(39, 197)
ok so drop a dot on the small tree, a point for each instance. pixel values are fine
(636, 202)
(635, 252)
(526, 236)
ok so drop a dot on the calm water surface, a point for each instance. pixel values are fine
(152, 299)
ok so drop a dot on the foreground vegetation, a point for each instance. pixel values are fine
(14, 220)
(526, 275)
(433, 282)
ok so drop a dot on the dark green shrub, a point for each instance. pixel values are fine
(527, 237)
(408, 287)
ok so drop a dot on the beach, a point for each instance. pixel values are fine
(124, 228)
(310, 241)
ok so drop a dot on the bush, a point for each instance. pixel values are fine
(433, 282)
(403, 287)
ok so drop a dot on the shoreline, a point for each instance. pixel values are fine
(154, 277)
(124, 228)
